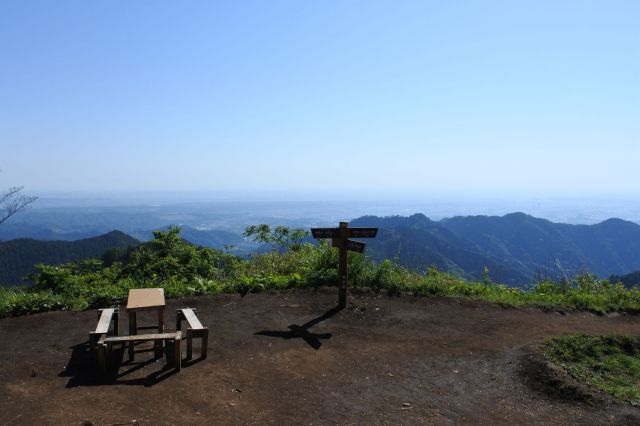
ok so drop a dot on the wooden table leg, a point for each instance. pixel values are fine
(161, 329)
(133, 329)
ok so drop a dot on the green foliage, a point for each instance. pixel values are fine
(609, 363)
(17, 301)
(280, 236)
(629, 280)
(18, 257)
(183, 269)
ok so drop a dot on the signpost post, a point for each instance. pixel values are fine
(340, 239)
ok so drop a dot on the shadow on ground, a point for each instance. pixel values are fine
(82, 371)
(302, 331)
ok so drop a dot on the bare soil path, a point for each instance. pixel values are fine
(289, 359)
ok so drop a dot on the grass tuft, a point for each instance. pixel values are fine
(610, 364)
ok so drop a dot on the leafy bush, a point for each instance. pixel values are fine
(183, 269)
(17, 301)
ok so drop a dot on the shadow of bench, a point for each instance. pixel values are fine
(104, 347)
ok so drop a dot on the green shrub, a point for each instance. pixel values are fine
(184, 270)
(17, 301)
(608, 363)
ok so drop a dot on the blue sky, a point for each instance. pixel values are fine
(415, 97)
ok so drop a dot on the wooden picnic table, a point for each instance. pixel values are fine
(145, 299)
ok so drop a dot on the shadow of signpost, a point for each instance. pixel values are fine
(302, 331)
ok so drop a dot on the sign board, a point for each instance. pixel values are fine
(352, 232)
(351, 245)
(325, 232)
(356, 246)
(340, 239)
(363, 232)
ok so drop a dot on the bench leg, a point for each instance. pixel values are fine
(156, 349)
(109, 356)
(101, 358)
(178, 353)
(189, 344)
(93, 340)
(93, 347)
(205, 343)
(178, 319)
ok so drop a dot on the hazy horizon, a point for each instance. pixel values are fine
(313, 208)
(410, 97)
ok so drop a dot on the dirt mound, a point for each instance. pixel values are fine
(290, 358)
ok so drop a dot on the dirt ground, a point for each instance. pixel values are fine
(288, 359)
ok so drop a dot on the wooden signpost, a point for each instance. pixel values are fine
(340, 239)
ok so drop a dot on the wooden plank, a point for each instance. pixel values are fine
(141, 337)
(363, 232)
(146, 327)
(193, 320)
(325, 232)
(140, 298)
(356, 246)
(104, 321)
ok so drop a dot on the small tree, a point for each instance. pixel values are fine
(281, 237)
(13, 201)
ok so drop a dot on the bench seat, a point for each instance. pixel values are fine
(107, 316)
(195, 329)
(139, 338)
(105, 345)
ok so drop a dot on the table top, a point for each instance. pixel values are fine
(140, 298)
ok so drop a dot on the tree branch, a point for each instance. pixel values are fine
(12, 202)
(9, 193)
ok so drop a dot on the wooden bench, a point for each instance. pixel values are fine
(195, 329)
(107, 316)
(105, 344)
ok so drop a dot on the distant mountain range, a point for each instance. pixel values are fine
(516, 248)
(18, 256)
(213, 238)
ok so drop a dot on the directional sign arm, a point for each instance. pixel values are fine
(325, 232)
(363, 232)
(356, 246)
